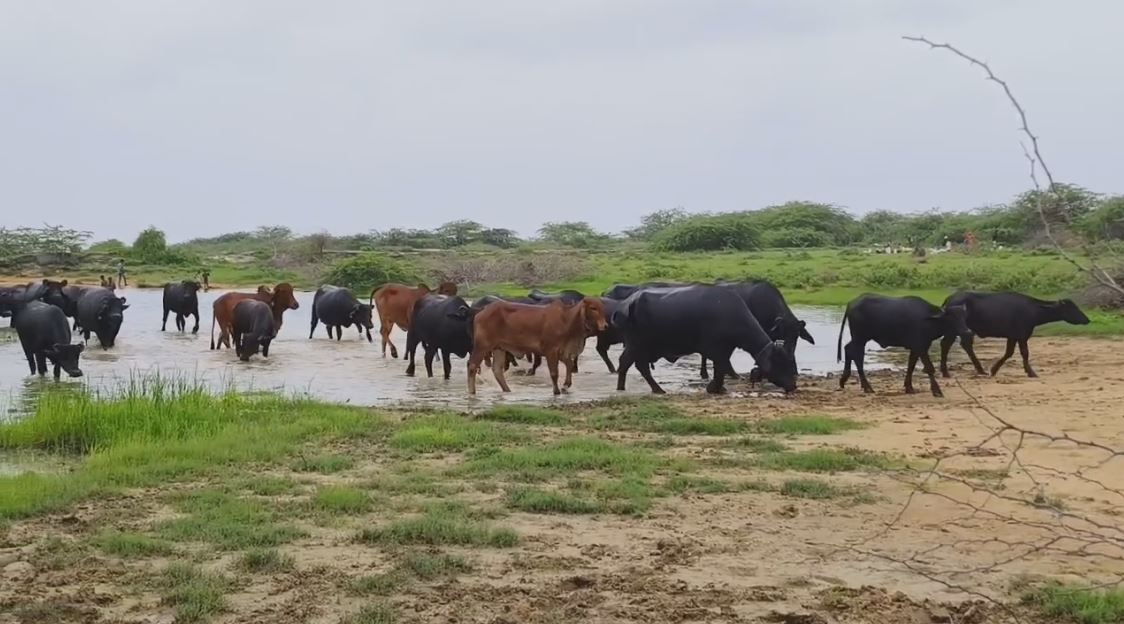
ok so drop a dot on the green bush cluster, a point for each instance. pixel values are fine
(370, 270)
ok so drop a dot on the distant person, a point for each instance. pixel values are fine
(206, 274)
(102, 282)
(121, 281)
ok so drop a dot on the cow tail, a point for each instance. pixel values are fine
(374, 292)
(839, 344)
(212, 330)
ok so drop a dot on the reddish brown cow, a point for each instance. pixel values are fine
(556, 331)
(395, 303)
(281, 298)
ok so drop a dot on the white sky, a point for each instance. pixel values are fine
(204, 117)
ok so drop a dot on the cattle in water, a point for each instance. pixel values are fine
(47, 291)
(556, 331)
(280, 299)
(181, 298)
(338, 308)
(482, 302)
(74, 292)
(1007, 315)
(44, 334)
(908, 322)
(253, 328)
(101, 312)
(711, 321)
(439, 323)
(768, 306)
(395, 305)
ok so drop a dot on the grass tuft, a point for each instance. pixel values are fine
(196, 595)
(428, 567)
(525, 415)
(375, 584)
(338, 499)
(449, 432)
(656, 416)
(812, 424)
(131, 545)
(227, 522)
(814, 489)
(542, 501)
(440, 526)
(323, 464)
(1078, 604)
(265, 561)
(373, 614)
(822, 460)
(567, 456)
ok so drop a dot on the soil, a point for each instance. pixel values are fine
(1000, 510)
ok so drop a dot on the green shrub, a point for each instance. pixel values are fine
(367, 271)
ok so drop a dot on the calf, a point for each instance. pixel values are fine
(338, 308)
(101, 312)
(182, 299)
(280, 299)
(395, 305)
(1007, 315)
(556, 331)
(439, 322)
(253, 327)
(909, 322)
(45, 335)
(670, 323)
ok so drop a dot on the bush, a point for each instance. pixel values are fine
(366, 271)
(150, 246)
(795, 237)
(710, 233)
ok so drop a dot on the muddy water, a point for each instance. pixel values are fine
(350, 370)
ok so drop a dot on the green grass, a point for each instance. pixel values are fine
(226, 522)
(131, 545)
(450, 432)
(195, 595)
(814, 489)
(428, 567)
(1078, 604)
(375, 584)
(419, 483)
(757, 445)
(525, 415)
(661, 417)
(338, 499)
(373, 614)
(266, 485)
(822, 460)
(323, 464)
(812, 424)
(265, 561)
(440, 527)
(682, 484)
(565, 457)
(549, 502)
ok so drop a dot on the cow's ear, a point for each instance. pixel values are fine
(804, 333)
(777, 323)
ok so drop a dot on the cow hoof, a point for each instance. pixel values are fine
(946, 374)
(1032, 374)
(938, 394)
(910, 391)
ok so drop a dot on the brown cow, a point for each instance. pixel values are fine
(556, 331)
(395, 303)
(281, 298)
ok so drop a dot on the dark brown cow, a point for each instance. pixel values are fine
(556, 331)
(281, 298)
(395, 303)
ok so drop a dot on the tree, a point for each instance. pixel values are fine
(274, 235)
(499, 237)
(656, 222)
(1062, 205)
(459, 233)
(151, 245)
(734, 230)
(369, 270)
(1107, 221)
(571, 234)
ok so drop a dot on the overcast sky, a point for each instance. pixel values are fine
(202, 117)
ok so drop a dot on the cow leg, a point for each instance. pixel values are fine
(932, 373)
(237, 337)
(702, 370)
(195, 329)
(571, 368)
(30, 360)
(721, 369)
(552, 368)
(429, 355)
(536, 361)
(58, 372)
(265, 348)
(41, 363)
(967, 344)
(603, 351)
(339, 333)
(311, 330)
(1006, 355)
(164, 324)
(447, 363)
(909, 372)
(385, 327)
(623, 364)
(474, 360)
(498, 361)
(1024, 350)
(645, 369)
(946, 344)
(858, 355)
(181, 322)
(846, 374)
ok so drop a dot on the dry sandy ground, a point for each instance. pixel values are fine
(736, 557)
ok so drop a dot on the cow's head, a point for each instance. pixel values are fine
(283, 297)
(447, 288)
(110, 316)
(1070, 313)
(65, 356)
(790, 329)
(53, 294)
(777, 365)
(462, 312)
(251, 344)
(190, 287)
(594, 312)
(955, 321)
(361, 315)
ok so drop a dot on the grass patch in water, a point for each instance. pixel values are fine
(226, 522)
(449, 432)
(811, 424)
(1078, 604)
(195, 595)
(440, 527)
(525, 415)
(131, 545)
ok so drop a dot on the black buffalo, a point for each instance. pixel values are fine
(1007, 315)
(182, 299)
(909, 322)
(338, 308)
(45, 335)
(708, 320)
(620, 292)
(568, 297)
(101, 312)
(439, 322)
(74, 292)
(768, 306)
(47, 291)
(253, 328)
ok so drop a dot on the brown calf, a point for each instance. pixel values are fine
(395, 303)
(556, 331)
(281, 298)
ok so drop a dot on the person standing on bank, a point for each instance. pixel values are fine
(121, 281)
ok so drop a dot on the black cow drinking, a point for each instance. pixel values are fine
(181, 298)
(768, 306)
(1007, 315)
(439, 323)
(45, 335)
(708, 320)
(253, 328)
(338, 308)
(101, 312)
(909, 322)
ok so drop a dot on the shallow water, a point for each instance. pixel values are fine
(351, 370)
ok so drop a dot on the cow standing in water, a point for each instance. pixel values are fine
(395, 305)
(101, 312)
(338, 308)
(45, 335)
(909, 322)
(181, 298)
(253, 328)
(280, 299)
(1007, 315)
(439, 323)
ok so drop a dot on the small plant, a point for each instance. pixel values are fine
(196, 595)
(373, 614)
(339, 499)
(439, 527)
(324, 464)
(131, 545)
(265, 561)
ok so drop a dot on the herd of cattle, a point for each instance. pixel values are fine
(656, 320)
